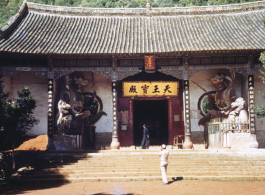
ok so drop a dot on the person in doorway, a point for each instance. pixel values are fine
(145, 140)
(163, 163)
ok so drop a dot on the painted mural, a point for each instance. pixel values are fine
(78, 108)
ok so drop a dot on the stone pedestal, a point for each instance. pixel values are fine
(188, 143)
(253, 141)
(50, 145)
(115, 144)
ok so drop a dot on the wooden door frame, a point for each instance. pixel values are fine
(170, 114)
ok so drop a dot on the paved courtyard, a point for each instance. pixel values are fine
(192, 187)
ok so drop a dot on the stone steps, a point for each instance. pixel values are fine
(133, 174)
(124, 165)
(118, 169)
(140, 178)
(147, 164)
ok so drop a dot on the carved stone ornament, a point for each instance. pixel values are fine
(42, 74)
(59, 74)
(193, 72)
(123, 72)
(175, 71)
(243, 71)
(8, 71)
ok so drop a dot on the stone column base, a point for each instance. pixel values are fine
(115, 144)
(253, 141)
(50, 145)
(188, 143)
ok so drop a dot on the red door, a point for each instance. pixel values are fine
(175, 120)
(126, 130)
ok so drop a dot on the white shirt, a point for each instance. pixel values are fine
(164, 155)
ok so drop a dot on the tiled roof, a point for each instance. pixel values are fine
(52, 29)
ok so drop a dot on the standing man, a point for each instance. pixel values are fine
(145, 138)
(163, 163)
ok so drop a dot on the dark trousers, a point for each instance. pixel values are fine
(146, 140)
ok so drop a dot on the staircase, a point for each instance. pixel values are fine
(131, 165)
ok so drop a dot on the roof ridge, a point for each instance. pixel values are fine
(193, 10)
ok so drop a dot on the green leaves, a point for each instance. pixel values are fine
(18, 115)
(260, 109)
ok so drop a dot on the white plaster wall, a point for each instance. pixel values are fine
(7, 86)
(196, 92)
(103, 89)
(259, 86)
(39, 89)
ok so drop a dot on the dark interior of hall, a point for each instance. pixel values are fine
(153, 113)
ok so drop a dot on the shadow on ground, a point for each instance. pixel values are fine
(39, 162)
(16, 188)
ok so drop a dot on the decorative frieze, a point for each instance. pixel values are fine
(218, 60)
(81, 63)
(105, 63)
(93, 63)
(206, 60)
(168, 62)
(22, 62)
(175, 71)
(193, 61)
(174, 62)
(125, 62)
(229, 60)
(70, 63)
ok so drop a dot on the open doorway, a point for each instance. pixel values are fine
(153, 113)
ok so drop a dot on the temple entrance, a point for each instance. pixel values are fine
(153, 113)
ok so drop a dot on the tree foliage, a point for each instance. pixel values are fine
(8, 8)
(260, 109)
(18, 115)
(3, 97)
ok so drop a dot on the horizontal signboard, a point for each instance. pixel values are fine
(150, 89)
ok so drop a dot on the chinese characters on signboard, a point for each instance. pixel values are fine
(150, 89)
(149, 62)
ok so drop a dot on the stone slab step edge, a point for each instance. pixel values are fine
(132, 174)
(145, 178)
